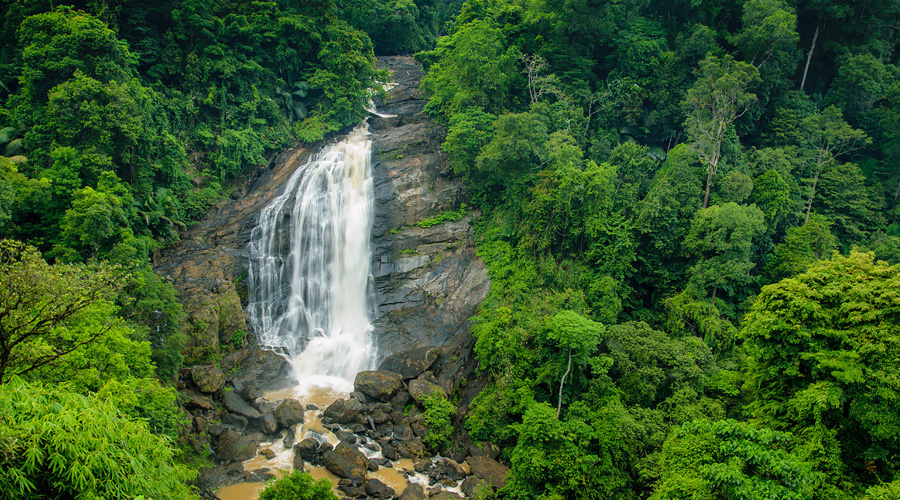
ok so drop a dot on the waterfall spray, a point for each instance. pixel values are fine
(309, 277)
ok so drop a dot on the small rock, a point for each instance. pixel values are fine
(236, 404)
(234, 448)
(410, 364)
(264, 405)
(343, 410)
(306, 448)
(352, 487)
(413, 492)
(377, 489)
(289, 413)
(312, 407)
(289, 437)
(345, 461)
(216, 430)
(488, 469)
(445, 495)
(420, 389)
(298, 462)
(411, 449)
(381, 385)
(390, 452)
(373, 465)
(474, 487)
(267, 424)
(236, 422)
(489, 450)
(452, 469)
(347, 437)
(195, 400)
(208, 378)
(269, 454)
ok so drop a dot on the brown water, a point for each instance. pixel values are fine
(241, 491)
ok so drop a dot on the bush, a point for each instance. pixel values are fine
(437, 418)
(57, 444)
(298, 485)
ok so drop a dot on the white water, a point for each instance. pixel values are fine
(309, 277)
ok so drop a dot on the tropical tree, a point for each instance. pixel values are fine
(718, 97)
(822, 349)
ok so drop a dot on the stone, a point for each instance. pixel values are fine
(410, 364)
(380, 385)
(474, 487)
(420, 389)
(267, 424)
(389, 452)
(235, 422)
(269, 454)
(352, 487)
(298, 463)
(195, 400)
(413, 492)
(264, 405)
(485, 449)
(289, 437)
(347, 437)
(306, 448)
(488, 469)
(345, 461)
(403, 432)
(377, 489)
(411, 449)
(343, 411)
(216, 477)
(289, 413)
(234, 448)
(446, 495)
(451, 469)
(373, 465)
(208, 378)
(235, 404)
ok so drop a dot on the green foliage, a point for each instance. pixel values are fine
(438, 412)
(707, 460)
(448, 216)
(821, 347)
(298, 485)
(57, 444)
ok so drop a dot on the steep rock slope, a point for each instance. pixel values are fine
(428, 280)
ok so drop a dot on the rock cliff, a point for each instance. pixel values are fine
(427, 280)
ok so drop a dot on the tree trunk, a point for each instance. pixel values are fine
(715, 289)
(561, 382)
(812, 47)
(812, 195)
(709, 177)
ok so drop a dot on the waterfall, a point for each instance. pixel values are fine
(309, 277)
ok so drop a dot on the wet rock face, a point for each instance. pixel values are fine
(428, 280)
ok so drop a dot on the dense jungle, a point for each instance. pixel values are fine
(688, 211)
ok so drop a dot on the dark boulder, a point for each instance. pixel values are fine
(208, 378)
(306, 449)
(380, 385)
(234, 448)
(377, 489)
(446, 495)
(235, 404)
(451, 469)
(289, 413)
(420, 389)
(488, 469)
(236, 422)
(413, 492)
(343, 411)
(410, 364)
(267, 424)
(195, 400)
(346, 461)
(411, 449)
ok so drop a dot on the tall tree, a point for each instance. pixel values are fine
(718, 97)
(829, 136)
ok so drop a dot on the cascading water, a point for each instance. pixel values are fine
(309, 278)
